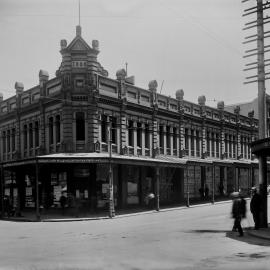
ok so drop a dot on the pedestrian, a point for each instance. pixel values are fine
(201, 190)
(7, 206)
(150, 200)
(238, 212)
(255, 207)
(63, 202)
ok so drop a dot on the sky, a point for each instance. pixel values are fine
(192, 45)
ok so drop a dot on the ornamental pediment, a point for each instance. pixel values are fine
(78, 44)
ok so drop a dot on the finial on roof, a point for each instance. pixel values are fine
(78, 30)
(179, 94)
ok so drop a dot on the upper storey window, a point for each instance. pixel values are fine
(79, 64)
(80, 126)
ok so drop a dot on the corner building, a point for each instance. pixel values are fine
(56, 137)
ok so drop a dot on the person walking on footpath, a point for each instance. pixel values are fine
(238, 212)
(255, 207)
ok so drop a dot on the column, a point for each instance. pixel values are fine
(171, 140)
(143, 138)
(135, 137)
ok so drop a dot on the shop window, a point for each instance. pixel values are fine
(51, 130)
(80, 126)
(147, 136)
(57, 129)
(104, 128)
(31, 135)
(130, 133)
(36, 133)
(132, 185)
(139, 134)
(25, 137)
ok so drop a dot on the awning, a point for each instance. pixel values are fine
(85, 158)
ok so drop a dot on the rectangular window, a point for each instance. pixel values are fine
(174, 138)
(161, 137)
(36, 134)
(186, 140)
(113, 129)
(25, 137)
(213, 145)
(57, 129)
(168, 137)
(8, 141)
(226, 144)
(130, 133)
(147, 136)
(51, 130)
(80, 126)
(197, 143)
(208, 143)
(13, 134)
(192, 142)
(4, 141)
(31, 135)
(217, 145)
(104, 128)
(139, 134)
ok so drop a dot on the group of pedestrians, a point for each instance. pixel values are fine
(239, 209)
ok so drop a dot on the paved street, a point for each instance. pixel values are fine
(195, 238)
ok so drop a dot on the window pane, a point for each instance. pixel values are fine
(80, 126)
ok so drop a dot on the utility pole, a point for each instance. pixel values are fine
(111, 195)
(259, 78)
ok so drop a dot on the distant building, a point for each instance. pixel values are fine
(55, 138)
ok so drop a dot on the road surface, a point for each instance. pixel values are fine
(194, 238)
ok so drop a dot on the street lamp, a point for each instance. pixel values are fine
(111, 195)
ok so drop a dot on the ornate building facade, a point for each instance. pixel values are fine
(63, 135)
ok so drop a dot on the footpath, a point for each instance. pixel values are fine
(263, 233)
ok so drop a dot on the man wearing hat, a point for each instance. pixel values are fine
(255, 207)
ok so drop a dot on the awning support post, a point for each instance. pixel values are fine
(37, 191)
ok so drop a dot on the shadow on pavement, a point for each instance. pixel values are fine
(248, 239)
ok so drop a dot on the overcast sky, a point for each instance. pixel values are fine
(194, 45)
